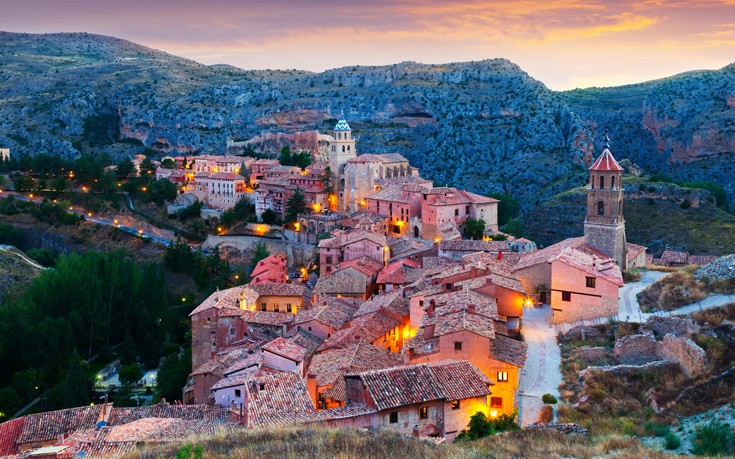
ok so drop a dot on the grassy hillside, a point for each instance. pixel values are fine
(328, 443)
(15, 272)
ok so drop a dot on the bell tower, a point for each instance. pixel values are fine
(342, 148)
(604, 226)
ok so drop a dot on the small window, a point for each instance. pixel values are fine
(237, 392)
(566, 296)
(262, 307)
(502, 376)
(424, 412)
(232, 332)
(590, 282)
(496, 402)
(393, 417)
(329, 260)
(455, 404)
(289, 308)
(276, 308)
(261, 386)
(458, 345)
(467, 210)
(456, 212)
(601, 208)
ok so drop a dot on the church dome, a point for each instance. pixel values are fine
(342, 125)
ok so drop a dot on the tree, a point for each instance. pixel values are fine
(327, 178)
(171, 378)
(162, 190)
(125, 168)
(301, 159)
(244, 173)
(179, 257)
(10, 403)
(508, 207)
(9, 235)
(285, 158)
(23, 183)
(474, 229)
(268, 216)
(130, 374)
(513, 227)
(58, 184)
(77, 387)
(260, 252)
(147, 169)
(168, 163)
(295, 205)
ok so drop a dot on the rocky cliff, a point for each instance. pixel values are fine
(485, 126)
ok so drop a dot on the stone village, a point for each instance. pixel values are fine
(405, 325)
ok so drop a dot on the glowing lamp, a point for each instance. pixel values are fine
(493, 414)
(297, 226)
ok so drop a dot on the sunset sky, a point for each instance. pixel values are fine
(564, 43)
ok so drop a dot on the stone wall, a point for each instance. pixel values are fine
(678, 326)
(691, 358)
(592, 354)
(635, 349)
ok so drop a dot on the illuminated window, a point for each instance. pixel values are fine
(424, 412)
(496, 402)
(455, 404)
(502, 376)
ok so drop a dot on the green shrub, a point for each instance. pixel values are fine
(671, 441)
(481, 426)
(712, 439)
(685, 204)
(548, 398)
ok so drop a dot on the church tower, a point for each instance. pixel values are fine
(342, 148)
(604, 227)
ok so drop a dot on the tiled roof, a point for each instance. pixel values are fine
(340, 283)
(400, 272)
(352, 236)
(121, 416)
(365, 265)
(286, 349)
(393, 302)
(244, 361)
(306, 339)
(329, 365)
(508, 350)
(226, 176)
(342, 125)
(464, 245)
(701, 260)
(343, 412)
(10, 431)
(393, 193)
(220, 299)
(413, 384)
(53, 424)
(329, 311)
(671, 256)
(606, 162)
(283, 398)
(435, 262)
(273, 289)
(453, 196)
(364, 329)
(633, 250)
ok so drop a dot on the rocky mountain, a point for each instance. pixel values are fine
(486, 126)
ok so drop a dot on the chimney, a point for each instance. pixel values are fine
(473, 272)
(311, 388)
(430, 309)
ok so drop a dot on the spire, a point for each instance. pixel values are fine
(342, 124)
(606, 161)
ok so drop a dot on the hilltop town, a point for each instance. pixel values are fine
(406, 309)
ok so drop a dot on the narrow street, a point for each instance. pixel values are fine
(541, 374)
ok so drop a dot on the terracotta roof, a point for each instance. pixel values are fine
(452, 196)
(226, 176)
(329, 311)
(606, 162)
(53, 424)
(392, 193)
(508, 350)
(671, 256)
(220, 299)
(329, 365)
(287, 349)
(701, 260)
(464, 245)
(352, 236)
(414, 384)
(393, 302)
(340, 283)
(365, 265)
(400, 272)
(633, 250)
(10, 431)
(121, 416)
(282, 399)
(267, 317)
(277, 289)
(363, 329)
(343, 412)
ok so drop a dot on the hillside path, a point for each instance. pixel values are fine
(541, 373)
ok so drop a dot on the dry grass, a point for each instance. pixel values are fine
(716, 316)
(349, 443)
(673, 291)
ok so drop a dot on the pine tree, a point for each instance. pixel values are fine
(295, 205)
(77, 393)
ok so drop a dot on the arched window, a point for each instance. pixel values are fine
(612, 185)
(343, 148)
(600, 208)
(339, 136)
(592, 182)
(602, 182)
(348, 148)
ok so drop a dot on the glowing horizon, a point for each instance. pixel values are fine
(563, 43)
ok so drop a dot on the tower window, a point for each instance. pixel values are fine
(612, 185)
(343, 148)
(601, 208)
(602, 182)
